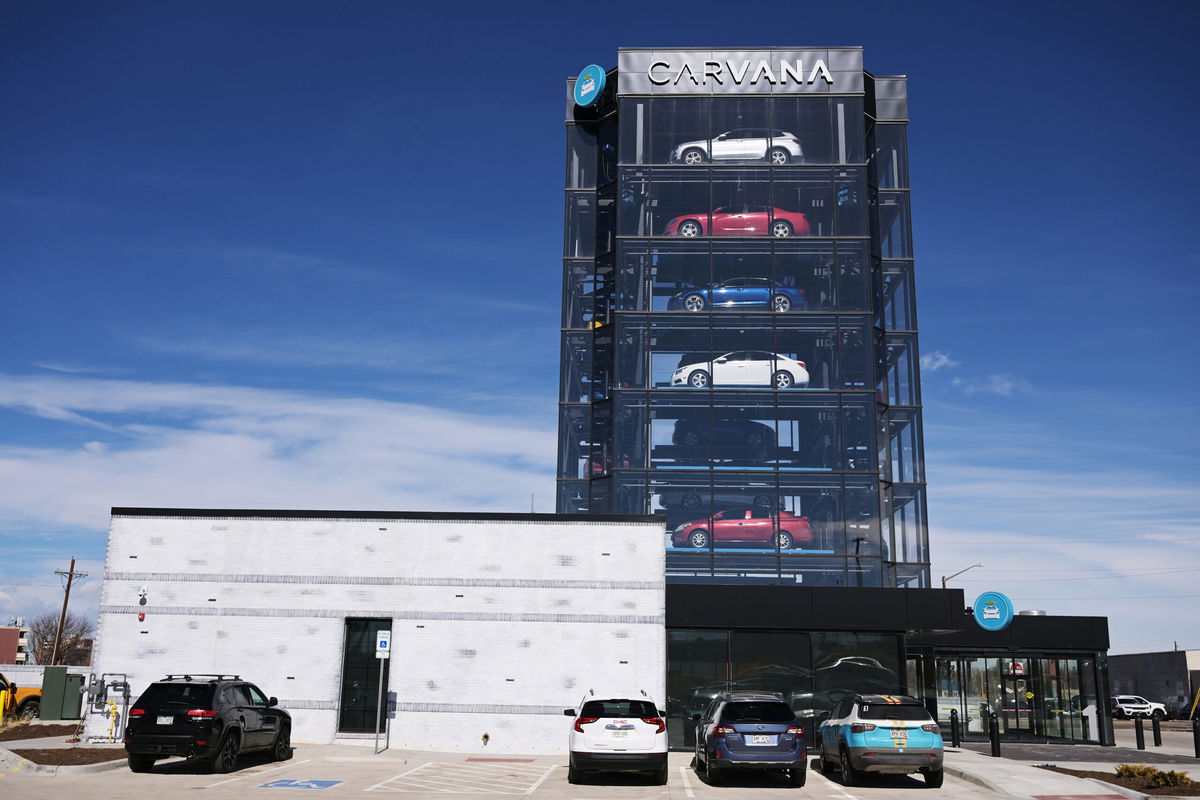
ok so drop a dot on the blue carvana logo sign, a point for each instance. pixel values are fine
(589, 85)
(992, 611)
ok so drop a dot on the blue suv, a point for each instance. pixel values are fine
(750, 730)
(880, 733)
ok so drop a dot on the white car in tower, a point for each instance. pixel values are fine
(742, 144)
(621, 731)
(744, 368)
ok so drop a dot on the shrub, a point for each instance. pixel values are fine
(1136, 771)
(1171, 778)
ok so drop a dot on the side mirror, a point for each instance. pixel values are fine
(272, 701)
(695, 717)
(662, 713)
(721, 361)
(568, 712)
(12, 687)
(824, 715)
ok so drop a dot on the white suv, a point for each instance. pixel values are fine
(618, 732)
(1131, 705)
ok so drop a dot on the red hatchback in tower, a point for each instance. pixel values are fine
(745, 526)
(740, 220)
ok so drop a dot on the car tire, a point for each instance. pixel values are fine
(694, 302)
(574, 775)
(781, 229)
(30, 709)
(282, 749)
(934, 778)
(660, 777)
(712, 772)
(690, 437)
(693, 155)
(698, 539)
(849, 773)
(690, 229)
(824, 764)
(1157, 714)
(781, 303)
(782, 379)
(699, 379)
(784, 540)
(690, 501)
(140, 762)
(777, 156)
(224, 759)
(797, 776)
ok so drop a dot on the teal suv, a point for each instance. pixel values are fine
(880, 733)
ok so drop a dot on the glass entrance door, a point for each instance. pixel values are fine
(1016, 702)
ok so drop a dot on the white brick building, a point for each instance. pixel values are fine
(499, 621)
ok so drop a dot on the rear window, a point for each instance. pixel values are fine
(619, 708)
(758, 712)
(193, 695)
(886, 711)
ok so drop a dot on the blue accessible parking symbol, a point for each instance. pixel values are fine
(292, 784)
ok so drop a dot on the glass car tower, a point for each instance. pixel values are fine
(739, 338)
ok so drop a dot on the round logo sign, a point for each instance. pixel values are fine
(993, 611)
(589, 85)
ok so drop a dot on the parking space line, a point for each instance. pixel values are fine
(264, 772)
(401, 775)
(837, 786)
(687, 782)
(540, 780)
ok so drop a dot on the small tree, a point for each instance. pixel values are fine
(75, 649)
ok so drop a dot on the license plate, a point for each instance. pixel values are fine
(620, 734)
(166, 720)
(758, 739)
(899, 733)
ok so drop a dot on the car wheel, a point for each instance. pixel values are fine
(934, 778)
(690, 229)
(1157, 714)
(755, 439)
(849, 773)
(694, 302)
(824, 764)
(698, 379)
(140, 762)
(573, 775)
(693, 156)
(698, 538)
(778, 156)
(690, 501)
(660, 777)
(797, 775)
(783, 379)
(784, 539)
(781, 229)
(781, 302)
(690, 438)
(711, 771)
(282, 750)
(30, 709)
(226, 756)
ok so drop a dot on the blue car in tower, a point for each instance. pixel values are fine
(885, 733)
(750, 294)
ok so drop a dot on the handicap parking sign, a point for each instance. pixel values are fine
(285, 783)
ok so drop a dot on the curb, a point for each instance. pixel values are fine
(969, 777)
(1133, 794)
(16, 763)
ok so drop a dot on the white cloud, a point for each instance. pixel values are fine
(1001, 384)
(932, 362)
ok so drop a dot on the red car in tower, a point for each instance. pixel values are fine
(740, 220)
(744, 525)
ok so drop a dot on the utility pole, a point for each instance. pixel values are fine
(71, 575)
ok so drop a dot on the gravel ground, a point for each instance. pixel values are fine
(14, 733)
(72, 755)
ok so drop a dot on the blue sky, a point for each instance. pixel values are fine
(298, 254)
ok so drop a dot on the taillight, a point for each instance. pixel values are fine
(579, 723)
(795, 141)
(659, 721)
(721, 730)
(201, 712)
(136, 712)
(861, 727)
(802, 364)
(795, 730)
(932, 729)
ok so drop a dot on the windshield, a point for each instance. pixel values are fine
(193, 695)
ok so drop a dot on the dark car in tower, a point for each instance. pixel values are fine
(743, 525)
(722, 432)
(214, 718)
(748, 294)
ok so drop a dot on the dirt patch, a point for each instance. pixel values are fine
(1136, 784)
(72, 755)
(14, 733)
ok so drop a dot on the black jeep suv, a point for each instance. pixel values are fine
(212, 717)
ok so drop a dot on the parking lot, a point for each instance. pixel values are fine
(345, 771)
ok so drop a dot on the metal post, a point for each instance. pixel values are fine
(1196, 735)
(955, 733)
(379, 705)
(994, 733)
(1156, 729)
(1139, 733)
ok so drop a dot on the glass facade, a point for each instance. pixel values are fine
(739, 342)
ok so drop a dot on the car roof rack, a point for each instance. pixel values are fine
(208, 675)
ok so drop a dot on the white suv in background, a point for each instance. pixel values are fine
(1131, 705)
(621, 731)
